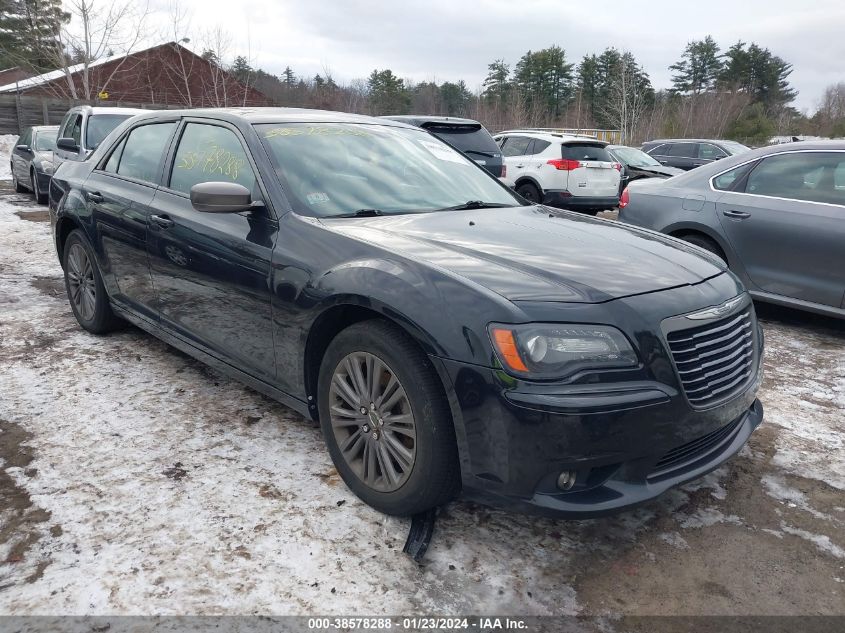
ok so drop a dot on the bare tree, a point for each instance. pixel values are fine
(181, 68)
(97, 30)
(628, 98)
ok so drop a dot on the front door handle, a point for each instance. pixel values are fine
(736, 215)
(95, 196)
(162, 220)
(520, 166)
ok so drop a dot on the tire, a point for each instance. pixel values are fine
(371, 466)
(530, 192)
(702, 241)
(40, 197)
(19, 188)
(84, 285)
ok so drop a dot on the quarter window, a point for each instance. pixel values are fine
(143, 151)
(114, 159)
(810, 176)
(210, 153)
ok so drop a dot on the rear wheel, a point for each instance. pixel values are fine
(84, 285)
(529, 191)
(19, 188)
(386, 421)
(702, 241)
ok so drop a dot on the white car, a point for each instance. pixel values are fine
(561, 170)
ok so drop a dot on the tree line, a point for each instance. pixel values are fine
(741, 92)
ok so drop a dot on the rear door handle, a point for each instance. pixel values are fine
(162, 220)
(737, 215)
(95, 196)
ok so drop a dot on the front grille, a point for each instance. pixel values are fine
(683, 456)
(715, 360)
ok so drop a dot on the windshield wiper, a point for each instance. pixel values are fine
(477, 204)
(360, 213)
(479, 152)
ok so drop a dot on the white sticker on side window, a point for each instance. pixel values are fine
(443, 152)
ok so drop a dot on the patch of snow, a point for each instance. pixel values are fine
(705, 517)
(7, 144)
(821, 541)
(674, 539)
(777, 488)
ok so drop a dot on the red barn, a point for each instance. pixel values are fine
(168, 74)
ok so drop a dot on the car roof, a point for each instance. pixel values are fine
(420, 119)
(689, 140)
(274, 115)
(554, 137)
(41, 128)
(109, 110)
(622, 147)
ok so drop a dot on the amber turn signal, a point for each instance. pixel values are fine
(506, 346)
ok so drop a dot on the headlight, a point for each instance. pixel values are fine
(547, 350)
(47, 167)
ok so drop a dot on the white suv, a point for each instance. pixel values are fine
(561, 170)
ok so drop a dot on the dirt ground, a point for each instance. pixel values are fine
(134, 480)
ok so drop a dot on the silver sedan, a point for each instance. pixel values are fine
(776, 215)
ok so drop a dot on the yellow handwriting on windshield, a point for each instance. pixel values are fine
(315, 130)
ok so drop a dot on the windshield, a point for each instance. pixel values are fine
(635, 157)
(99, 126)
(343, 168)
(45, 141)
(735, 148)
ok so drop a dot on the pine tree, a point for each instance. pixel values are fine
(29, 33)
(699, 67)
(497, 83)
(387, 93)
(288, 76)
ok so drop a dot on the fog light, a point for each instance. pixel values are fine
(566, 480)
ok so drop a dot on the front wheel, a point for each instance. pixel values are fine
(85, 289)
(386, 421)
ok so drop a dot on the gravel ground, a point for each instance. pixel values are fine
(133, 480)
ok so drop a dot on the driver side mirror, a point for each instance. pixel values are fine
(22, 147)
(68, 144)
(222, 197)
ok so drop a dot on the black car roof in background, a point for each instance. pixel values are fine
(689, 140)
(424, 121)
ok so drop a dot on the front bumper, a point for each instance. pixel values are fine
(628, 443)
(565, 200)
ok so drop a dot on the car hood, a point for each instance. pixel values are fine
(662, 170)
(537, 253)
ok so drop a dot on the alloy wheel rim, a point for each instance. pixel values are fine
(80, 276)
(372, 421)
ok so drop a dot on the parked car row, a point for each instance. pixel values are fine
(40, 149)
(448, 333)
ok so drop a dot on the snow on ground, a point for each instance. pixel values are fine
(7, 143)
(141, 482)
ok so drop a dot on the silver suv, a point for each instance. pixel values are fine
(84, 127)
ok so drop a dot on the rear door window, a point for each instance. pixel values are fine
(684, 150)
(516, 146)
(585, 151)
(810, 176)
(657, 150)
(144, 150)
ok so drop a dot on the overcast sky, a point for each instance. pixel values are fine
(447, 40)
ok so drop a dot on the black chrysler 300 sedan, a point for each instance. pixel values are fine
(447, 335)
